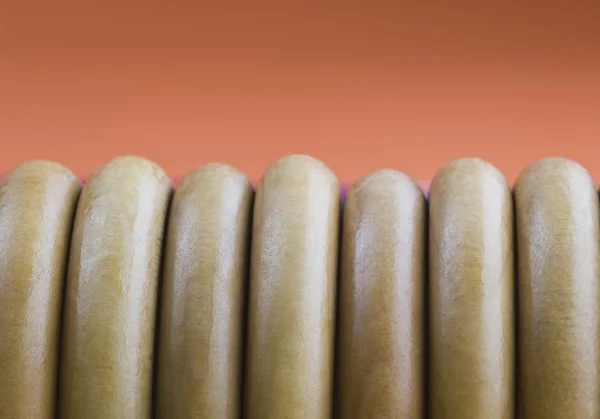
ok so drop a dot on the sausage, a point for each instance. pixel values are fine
(382, 299)
(111, 293)
(558, 292)
(472, 321)
(292, 295)
(37, 204)
(203, 310)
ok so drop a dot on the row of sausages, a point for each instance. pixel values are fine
(216, 301)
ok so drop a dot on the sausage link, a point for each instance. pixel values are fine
(382, 296)
(472, 343)
(37, 204)
(559, 293)
(203, 311)
(111, 293)
(290, 356)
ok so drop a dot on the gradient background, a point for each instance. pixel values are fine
(360, 86)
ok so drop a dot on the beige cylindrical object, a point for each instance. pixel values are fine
(559, 293)
(110, 303)
(291, 330)
(381, 321)
(203, 310)
(37, 204)
(472, 321)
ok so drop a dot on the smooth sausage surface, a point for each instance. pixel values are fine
(290, 355)
(37, 204)
(559, 293)
(471, 317)
(203, 311)
(381, 321)
(110, 303)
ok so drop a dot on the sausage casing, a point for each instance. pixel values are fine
(558, 292)
(112, 283)
(382, 299)
(203, 310)
(472, 343)
(37, 204)
(291, 330)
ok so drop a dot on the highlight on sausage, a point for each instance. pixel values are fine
(203, 310)
(291, 318)
(37, 204)
(471, 290)
(110, 302)
(382, 329)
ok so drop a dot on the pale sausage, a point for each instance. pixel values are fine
(290, 361)
(203, 311)
(559, 291)
(37, 205)
(472, 321)
(381, 321)
(111, 293)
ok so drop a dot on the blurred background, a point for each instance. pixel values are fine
(360, 85)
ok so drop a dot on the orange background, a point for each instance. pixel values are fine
(360, 85)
